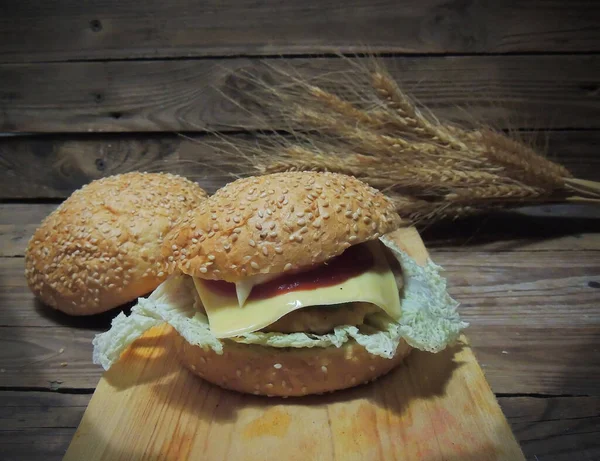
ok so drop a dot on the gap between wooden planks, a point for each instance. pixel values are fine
(435, 407)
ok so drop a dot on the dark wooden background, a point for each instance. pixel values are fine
(99, 88)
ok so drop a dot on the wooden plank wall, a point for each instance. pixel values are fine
(98, 88)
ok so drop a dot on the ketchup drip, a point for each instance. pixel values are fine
(354, 261)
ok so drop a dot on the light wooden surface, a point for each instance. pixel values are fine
(194, 95)
(436, 407)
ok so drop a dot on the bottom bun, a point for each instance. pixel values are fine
(271, 371)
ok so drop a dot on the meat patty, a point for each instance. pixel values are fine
(323, 319)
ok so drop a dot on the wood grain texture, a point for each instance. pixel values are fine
(54, 166)
(558, 91)
(37, 410)
(38, 425)
(555, 429)
(437, 406)
(126, 29)
(48, 444)
(522, 288)
(47, 358)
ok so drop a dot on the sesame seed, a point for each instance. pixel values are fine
(211, 257)
(352, 238)
(348, 214)
(301, 222)
(265, 251)
(161, 274)
(269, 386)
(252, 243)
(254, 265)
(203, 269)
(238, 373)
(287, 267)
(324, 369)
(258, 226)
(277, 366)
(174, 247)
(278, 250)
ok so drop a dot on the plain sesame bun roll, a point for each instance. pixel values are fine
(101, 247)
(292, 284)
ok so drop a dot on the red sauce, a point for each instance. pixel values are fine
(352, 262)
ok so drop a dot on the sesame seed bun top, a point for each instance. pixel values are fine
(275, 223)
(101, 247)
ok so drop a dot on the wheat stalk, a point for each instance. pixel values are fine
(361, 123)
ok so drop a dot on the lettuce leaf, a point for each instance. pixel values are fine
(429, 319)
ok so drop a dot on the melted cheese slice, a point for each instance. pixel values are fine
(243, 288)
(226, 317)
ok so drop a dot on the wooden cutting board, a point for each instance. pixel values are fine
(436, 407)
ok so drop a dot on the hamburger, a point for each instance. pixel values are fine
(292, 284)
(102, 246)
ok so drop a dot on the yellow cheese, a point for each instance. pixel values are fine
(227, 318)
